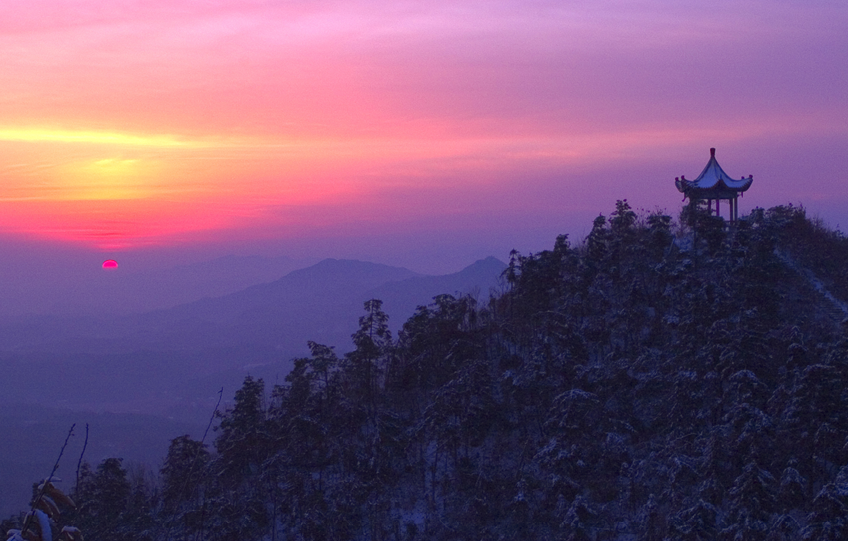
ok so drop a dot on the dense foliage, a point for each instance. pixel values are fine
(659, 381)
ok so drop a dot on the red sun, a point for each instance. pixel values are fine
(110, 264)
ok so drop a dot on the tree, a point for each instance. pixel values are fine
(373, 342)
(703, 224)
(183, 481)
(324, 364)
(752, 501)
(597, 243)
(242, 442)
(183, 471)
(103, 496)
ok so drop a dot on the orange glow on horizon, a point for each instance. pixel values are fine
(115, 196)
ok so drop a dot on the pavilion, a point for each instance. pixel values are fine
(713, 184)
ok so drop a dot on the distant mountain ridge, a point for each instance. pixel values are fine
(148, 361)
(325, 281)
(320, 303)
(401, 298)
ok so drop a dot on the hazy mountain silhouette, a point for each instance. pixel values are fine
(401, 298)
(320, 303)
(183, 355)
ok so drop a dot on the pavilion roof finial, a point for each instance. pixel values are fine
(712, 153)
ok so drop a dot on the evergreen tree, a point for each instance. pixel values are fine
(241, 444)
(103, 498)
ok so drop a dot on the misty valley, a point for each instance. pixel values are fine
(143, 379)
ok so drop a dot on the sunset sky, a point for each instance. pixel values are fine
(424, 134)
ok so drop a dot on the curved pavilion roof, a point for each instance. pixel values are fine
(713, 183)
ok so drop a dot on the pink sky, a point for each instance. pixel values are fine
(426, 134)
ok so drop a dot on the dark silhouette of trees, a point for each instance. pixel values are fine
(660, 380)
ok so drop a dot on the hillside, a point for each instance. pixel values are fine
(657, 381)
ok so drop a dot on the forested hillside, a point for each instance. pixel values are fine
(659, 380)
